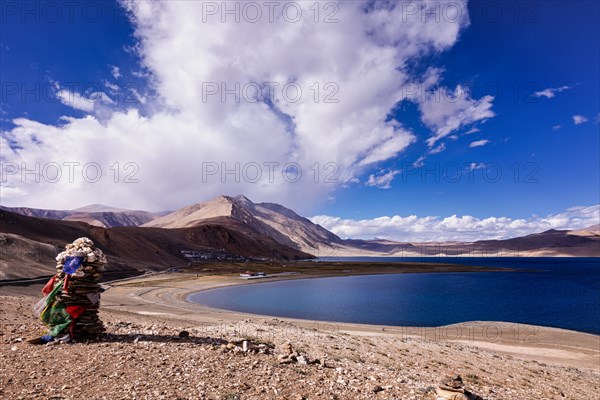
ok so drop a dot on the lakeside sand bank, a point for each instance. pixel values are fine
(145, 358)
(166, 296)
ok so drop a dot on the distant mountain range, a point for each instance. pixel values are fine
(95, 214)
(228, 228)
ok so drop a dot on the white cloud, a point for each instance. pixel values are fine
(472, 130)
(438, 149)
(383, 181)
(556, 127)
(141, 99)
(579, 119)
(115, 72)
(101, 97)
(446, 112)
(75, 100)
(551, 92)
(474, 166)
(360, 61)
(479, 143)
(111, 86)
(78, 102)
(456, 228)
(431, 79)
(9, 192)
(389, 147)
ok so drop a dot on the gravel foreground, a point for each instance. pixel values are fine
(145, 357)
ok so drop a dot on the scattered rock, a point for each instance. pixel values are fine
(302, 360)
(284, 359)
(377, 389)
(289, 355)
(325, 364)
(161, 366)
(287, 348)
(448, 395)
(453, 388)
(452, 383)
(184, 334)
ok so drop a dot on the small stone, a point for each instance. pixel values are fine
(184, 334)
(450, 395)
(284, 359)
(245, 345)
(472, 396)
(377, 389)
(302, 360)
(452, 382)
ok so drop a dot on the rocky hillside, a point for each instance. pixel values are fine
(96, 214)
(128, 248)
(145, 357)
(590, 231)
(269, 219)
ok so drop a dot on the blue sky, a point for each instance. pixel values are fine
(515, 60)
(120, 82)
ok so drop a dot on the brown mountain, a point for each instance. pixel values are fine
(95, 214)
(269, 219)
(549, 243)
(29, 244)
(584, 243)
(590, 231)
(228, 226)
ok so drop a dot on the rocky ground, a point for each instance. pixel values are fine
(147, 357)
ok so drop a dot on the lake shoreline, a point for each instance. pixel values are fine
(158, 342)
(166, 297)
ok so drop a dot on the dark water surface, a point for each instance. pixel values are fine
(557, 292)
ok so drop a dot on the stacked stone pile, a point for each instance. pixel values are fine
(81, 266)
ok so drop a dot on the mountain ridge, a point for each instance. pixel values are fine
(274, 220)
(93, 214)
(236, 225)
(31, 243)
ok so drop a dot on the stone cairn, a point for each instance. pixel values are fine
(83, 287)
(452, 388)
